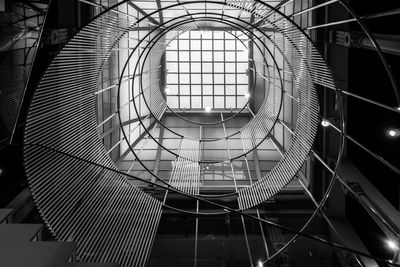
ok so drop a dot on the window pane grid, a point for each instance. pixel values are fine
(207, 69)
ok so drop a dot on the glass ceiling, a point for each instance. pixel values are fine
(207, 70)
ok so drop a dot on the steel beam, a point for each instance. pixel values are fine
(138, 9)
(127, 151)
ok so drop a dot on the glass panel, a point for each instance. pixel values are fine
(207, 101)
(230, 78)
(230, 55)
(230, 67)
(230, 44)
(183, 67)
(196, 56)
(207, 45)
(207, 79)
(206, 34)
(219, 102)
(183, 44)
(242, 79)
(172, 67)
(242, 89)
(185, 89)
(185, 78)
(185, 102)
(196, 67)
(241, 101)
(196, 89)
(218, 44)
(173, 89)
(201, 70)
(207, 67)
(219, 78)
(196, 102)
(196, 78)
(172, 56)
(218, 35)
(219, 90)
(172, 78)
(230, 89)
(242, 67)
(230, 102)
(242, 56)
(183, 56)
(172, 101)
(207, 56)
(218, 67)
(195, 45)
(218, 56)
(207, 89)
(195, 34)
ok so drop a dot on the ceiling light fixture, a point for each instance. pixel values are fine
(392, 245)
(394, 132)
(325, 123)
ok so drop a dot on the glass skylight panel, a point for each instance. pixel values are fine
(184, 67)
(196, 102)
(207, 101)
(184, 89)
(185, 78)
(206, 69)
(219, 89)
(173, 102)
(219, 102)
(219, 67)
(218, 56)
(195, 56)
(173, 67)
(207, 89)
(207, 56)
(196, 89)
(230, 90)
(219, 78)
(173, 89)
(172, 55)
(183, 45)
(185, 101)
(195, 67)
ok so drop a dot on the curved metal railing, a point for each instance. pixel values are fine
(95, 203)
(100, 204)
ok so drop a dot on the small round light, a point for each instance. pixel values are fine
(207, 167)
(247, 95)
(1, 171)
(208, 109)
(392, 245)
(260, 264)
(398, 108)
(325, 123)
(167, 91)
(393, 132)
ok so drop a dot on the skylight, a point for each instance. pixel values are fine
(207, 69)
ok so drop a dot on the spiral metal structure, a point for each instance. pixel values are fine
(85, 194)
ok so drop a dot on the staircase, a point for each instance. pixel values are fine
(21, 246)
